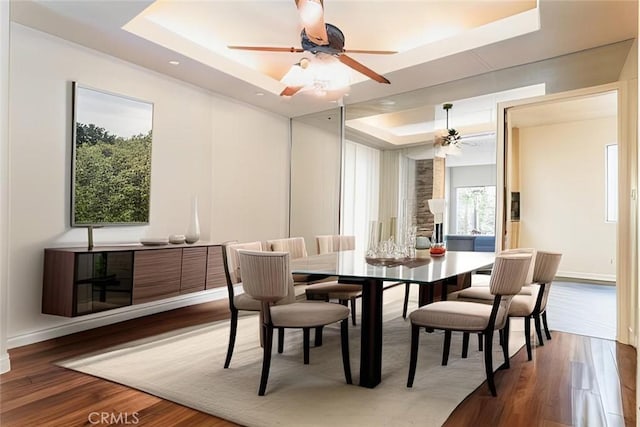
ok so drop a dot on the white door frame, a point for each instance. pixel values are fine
(627, 234)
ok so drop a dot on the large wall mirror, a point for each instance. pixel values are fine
(392, 166)
(389, 168)
(316, 152)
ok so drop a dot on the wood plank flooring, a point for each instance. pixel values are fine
(573, 380)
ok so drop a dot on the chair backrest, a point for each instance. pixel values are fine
(335, 243)
(531, 251)
(232, 260)
(546, 268)
(507, 277)
(266, 275)
(296, 246)
(509, 273)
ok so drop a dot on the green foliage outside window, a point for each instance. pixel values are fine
(112, 177)
(475, 210)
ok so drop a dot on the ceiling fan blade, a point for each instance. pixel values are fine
(268, 48)
(350, 62)
(312, 17)
(374, 52)
(290, 90)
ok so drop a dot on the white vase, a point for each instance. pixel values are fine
(193, 231)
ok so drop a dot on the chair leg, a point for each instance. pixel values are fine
(353, 311)
(505, 344)
(415, 337)
(546, 326)
(445, 348)
(266, 358)
(479, 341)
(488, 361)
(465, 344)
(318, 336)
(232, 337)
(344, 340)
(406, 300)
(280, 340)
(305, 344)
(527, 335)
(536, 319)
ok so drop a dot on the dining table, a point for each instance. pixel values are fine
(453, 269)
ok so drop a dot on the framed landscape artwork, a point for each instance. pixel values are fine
(111, 170)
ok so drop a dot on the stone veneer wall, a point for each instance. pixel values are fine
(429, 185)
(424, 192)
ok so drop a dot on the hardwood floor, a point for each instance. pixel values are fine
(572, 380)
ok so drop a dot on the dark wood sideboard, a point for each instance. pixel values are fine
(79, 281)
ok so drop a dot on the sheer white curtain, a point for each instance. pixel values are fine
(360, 191)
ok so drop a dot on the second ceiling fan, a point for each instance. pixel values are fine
(320, 38)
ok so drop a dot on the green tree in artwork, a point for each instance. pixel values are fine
(112, 177)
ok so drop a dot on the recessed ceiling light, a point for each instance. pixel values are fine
(259, 93)
(174, 62)
(387, 102)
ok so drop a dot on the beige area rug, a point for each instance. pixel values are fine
(185, 367)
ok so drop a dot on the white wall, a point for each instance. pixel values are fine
(250, 165)
(315, 181)
(562, 195)
(232, 156)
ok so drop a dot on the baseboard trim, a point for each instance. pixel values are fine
(609, 278)
(114, 316)
(5, 363)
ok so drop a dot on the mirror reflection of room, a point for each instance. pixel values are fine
(396, 160)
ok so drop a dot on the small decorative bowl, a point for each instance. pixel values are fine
(176, 239)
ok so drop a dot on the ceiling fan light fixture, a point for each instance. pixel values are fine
(323, 76)
(450, 137)
(310, 12)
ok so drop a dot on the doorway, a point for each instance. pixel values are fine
(554, 176)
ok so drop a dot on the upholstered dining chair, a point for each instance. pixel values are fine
(334, 243)
(531, 301)
(343, 290)
(334, 289)
(507, 277)
(242, 301)
(482, 278)
(266, 276)
(297, 248)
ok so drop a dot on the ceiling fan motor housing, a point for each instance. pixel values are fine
(336, 41)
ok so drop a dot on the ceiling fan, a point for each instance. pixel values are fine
(322, 40)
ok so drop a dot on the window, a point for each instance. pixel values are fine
(475, 210)
(612, 183)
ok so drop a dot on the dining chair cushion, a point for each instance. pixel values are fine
(246, 302)
(457, 315)
(334, 290)
(483, 293)
(522, 305)
(307, 314)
